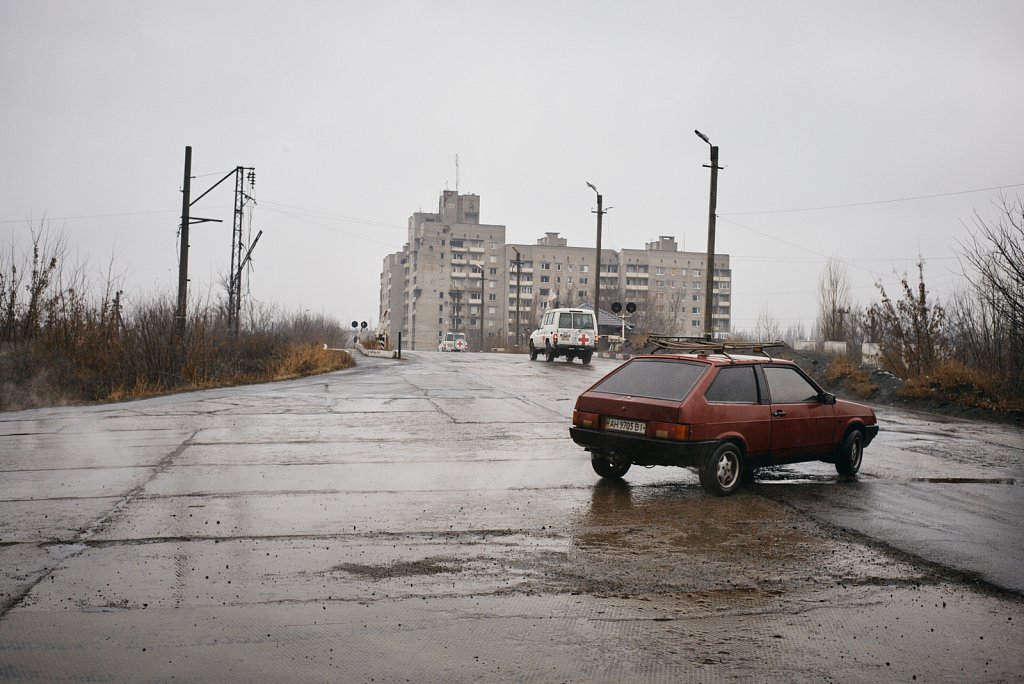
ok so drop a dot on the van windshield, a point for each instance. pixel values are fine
(653, 378)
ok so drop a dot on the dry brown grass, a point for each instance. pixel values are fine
(841, 372)
(311, 359)
(954, 381)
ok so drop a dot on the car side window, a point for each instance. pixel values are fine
(735, 385)
(788, 386)
(565, 320)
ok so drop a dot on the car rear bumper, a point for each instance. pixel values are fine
(644, 450)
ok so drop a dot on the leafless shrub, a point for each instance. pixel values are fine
(910, 331)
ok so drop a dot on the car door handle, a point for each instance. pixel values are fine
(778, 414)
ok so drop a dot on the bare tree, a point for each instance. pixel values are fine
(767, 327)
(833, 301)
(793, 333)
(995, 257)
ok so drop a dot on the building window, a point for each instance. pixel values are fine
(492, 271)
(660, 270)
(545, 279)
(583, 280)
(544, 292)
(544, 266)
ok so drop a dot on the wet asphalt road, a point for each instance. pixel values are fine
(431, 520)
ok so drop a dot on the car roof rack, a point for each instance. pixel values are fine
(666, 344)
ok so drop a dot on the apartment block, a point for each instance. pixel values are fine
(457, 274)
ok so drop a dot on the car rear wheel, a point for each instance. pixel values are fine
(605, 466)
(533, 352)
(851, 453)
(549, 352)
(585, 357)
(722, 472)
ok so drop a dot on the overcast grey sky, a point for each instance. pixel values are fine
(352, 114)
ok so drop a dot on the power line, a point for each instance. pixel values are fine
(866, 204)
(327, 227)
(92, 216)
(340, 217)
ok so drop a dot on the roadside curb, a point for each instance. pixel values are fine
(376, 353)
(620, 357)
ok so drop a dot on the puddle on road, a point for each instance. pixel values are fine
(966, 480)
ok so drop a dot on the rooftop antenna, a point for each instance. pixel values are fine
(456, 174)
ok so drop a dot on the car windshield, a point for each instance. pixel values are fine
(653, 378)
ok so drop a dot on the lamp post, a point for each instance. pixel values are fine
(597, 260)
(481, 305)
(519, 264)
(709, 323)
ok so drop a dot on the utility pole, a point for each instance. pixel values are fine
(597, 260)
(709, 323)
(186, 184)
(519, 268)
(237, 248)
(481, 308)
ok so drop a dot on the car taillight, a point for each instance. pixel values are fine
(585, 420)
(673, 431)
(554, 339)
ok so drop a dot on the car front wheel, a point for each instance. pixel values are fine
(606, 467)
(533, 352)
(850, 454)
(722, 472)
(549, 352)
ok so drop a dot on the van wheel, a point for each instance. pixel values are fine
(549, 353)
(721, 474)
(569, 357)
(533, 352)
(606, 467)
(585, 357)
(851, 453)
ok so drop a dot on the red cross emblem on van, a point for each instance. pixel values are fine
(584, 339)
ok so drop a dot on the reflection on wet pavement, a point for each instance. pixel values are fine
(430, 520)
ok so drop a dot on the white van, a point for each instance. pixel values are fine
(570, 333)
(453, 342)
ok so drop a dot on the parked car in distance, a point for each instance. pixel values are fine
(721, 413)
(453, 342)
(570, 333)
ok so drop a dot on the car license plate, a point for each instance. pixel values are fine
(620, 425)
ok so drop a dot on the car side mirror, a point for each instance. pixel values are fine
(828, 398)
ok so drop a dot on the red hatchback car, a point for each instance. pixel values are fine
(723, 414)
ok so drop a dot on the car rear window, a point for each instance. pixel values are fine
(576, 320)
(653, 378)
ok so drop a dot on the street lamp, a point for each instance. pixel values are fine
(481, 305)
(709, 323)
(597, 261)
(519, 269)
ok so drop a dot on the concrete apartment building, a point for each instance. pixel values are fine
(457, 274)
